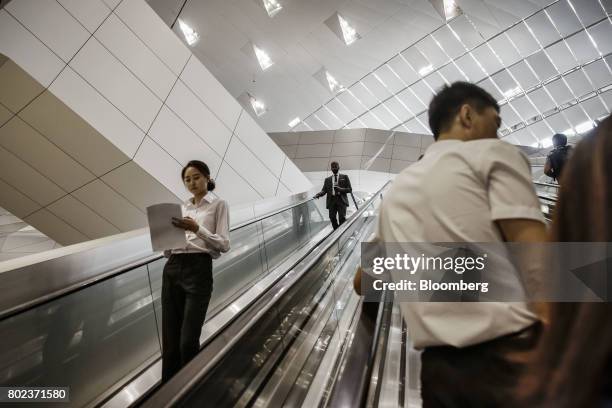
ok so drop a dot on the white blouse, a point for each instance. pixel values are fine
(212, 215)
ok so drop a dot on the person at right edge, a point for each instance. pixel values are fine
(555, 161)
(468, 187)
(572, 366)
(336, 186)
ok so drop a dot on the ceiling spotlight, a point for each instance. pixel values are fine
(263, 58)
(512, 92)
(584, 126)
(349, 34)
(258, 106)
(272, 7)
(425, 70)
(190, 35)
(333, 83)
(294, 122)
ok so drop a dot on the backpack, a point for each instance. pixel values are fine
(557, 159)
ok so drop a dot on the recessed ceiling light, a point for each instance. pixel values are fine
(294, 122)
(584, 126)
(348, 32)
(263, 58)
(272, 7)
(425, 70)
(512, 92)
(258, 106)
(333, 83)
(190, 35)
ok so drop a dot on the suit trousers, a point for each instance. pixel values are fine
(337, 208)
(186, 289)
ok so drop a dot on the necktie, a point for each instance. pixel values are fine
(334, 184)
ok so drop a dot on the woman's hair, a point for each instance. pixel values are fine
(202, 168)
(573, 361)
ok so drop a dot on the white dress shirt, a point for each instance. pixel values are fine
(212, 216)
(455, 193)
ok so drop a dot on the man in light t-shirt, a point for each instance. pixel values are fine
(468, 187)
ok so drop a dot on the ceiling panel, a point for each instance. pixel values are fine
(405, 54)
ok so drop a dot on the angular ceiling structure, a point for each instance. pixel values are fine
(547, 62)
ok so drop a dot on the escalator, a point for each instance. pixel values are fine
(90, 320)
(285, 350)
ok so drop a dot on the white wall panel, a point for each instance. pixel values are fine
(211, 92)
(62, 232)
(67, 130)
(233, 188)
(136, 56)
(349, 135)
(138, 187)
(286, 138)
(112, 3)
(109, 204)
(154, 32)
(90, 13)
(406, 153)
(17, 173)
(162, 166)
(51, 24)
(18, 88)
(347, 149)
(293, 178)
(97, 111)
(313, 150)
(27, 51)
(199, 118)
(282, 190)
(82, 218)
(5, 115)
(251, 169)
(31, 147)
(15, 201)
(181, 142)
(260, 143)
(290, 151)
(113, 80)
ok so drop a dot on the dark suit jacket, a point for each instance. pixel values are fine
(345, 186)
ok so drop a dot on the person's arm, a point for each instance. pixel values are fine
(515, 209)
(322, 192)
(220, 239)
(548, 170)
(349, 188)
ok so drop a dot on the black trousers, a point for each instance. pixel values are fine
(186, 288)
(481, 375)
(338, 208)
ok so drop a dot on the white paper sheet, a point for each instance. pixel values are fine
(164, 235)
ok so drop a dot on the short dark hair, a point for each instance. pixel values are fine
(334, 162)
(559, 140)
(202, 168)
(447, 102)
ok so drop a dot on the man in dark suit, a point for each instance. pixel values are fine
(336, 186)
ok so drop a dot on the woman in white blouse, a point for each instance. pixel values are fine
(187, 279)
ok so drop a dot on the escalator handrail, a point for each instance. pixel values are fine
(8, 308)
(541, 183)
(179, 386)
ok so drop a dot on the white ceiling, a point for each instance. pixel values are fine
(562, 45)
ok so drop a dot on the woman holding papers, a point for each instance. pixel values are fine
(187, 278)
